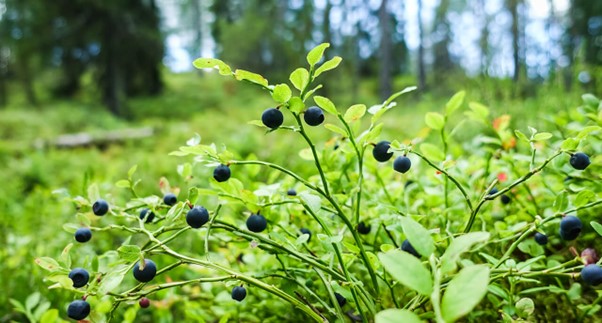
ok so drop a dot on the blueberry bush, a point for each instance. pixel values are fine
(467, 220)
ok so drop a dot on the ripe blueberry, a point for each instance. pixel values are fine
(541, 238)
(79, 276)
(147, 274)
(78, 310)
(239, 293)
(291, 192)
(306, 231)
(221, 173)
(505, 199)
(381, 151)
(570, 227)
(170, 199)
(407, 247)
(402, 164)
(340, 299)
(256, 223)
(313, 116)
(83, 235)
(362, 228)
(579, 161)
(148, 214)
(272, 118)
(493, 191)
(144, 302)
(592, 274)
(197, 216)
(100, 207)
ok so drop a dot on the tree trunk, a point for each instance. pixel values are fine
(513, 7)
(385, 51)
(421, 68)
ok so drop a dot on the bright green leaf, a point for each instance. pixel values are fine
(326, 104)
(354, 113)
(458, 246)
(299, 78)
(455, 102)
(584, 197)
(112, 280)
(222, 67)
(464, 292)
(336, 129)
(328, 65)
(281, 93)
(408, 270)
(562, 201)
(542, 136)
(122, 183)
(590, 100)
(570, 144)
(312, 201)
(395, 315)
(419, 237)
(521, 136)
(432, 152)
(48, 263)
(296, 105)
(434, 120)
(243, 75)
(129, 253)
(315, 55)
(50, 316)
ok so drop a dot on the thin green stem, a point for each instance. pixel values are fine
(520, 180)
(451, 178)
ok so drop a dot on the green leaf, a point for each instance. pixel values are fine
(434, 120)
(50, 316)
(521, 136)
(32, 300)
(336, 129)
(408, 270)
(299, 78)
(328, 65)
(112, 280)
(93, 193)
(129, 253)
(562, 201)
(65, 256)
(464, 292)
(222, 67)
(315, 55)
(458, 246)
(525, 307)
(570, 144)
(587, 130)
(354, 113)
(326, 104)
(455, 102)
(311, 92)
(597, 227)
(394, 315)
(281, 93)
(542, 136)
(131, 171)
(123, 183)
(590, 100)
(477, 112)
(296, 105)
(432, 152)
(584, 197)
(419, 237)
(48, 263)
(313, 201)
(243, 75)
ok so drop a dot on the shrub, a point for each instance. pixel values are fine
(465, 253)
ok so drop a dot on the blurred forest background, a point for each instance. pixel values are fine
(120, 48)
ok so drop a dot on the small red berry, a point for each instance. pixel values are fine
(144, 302)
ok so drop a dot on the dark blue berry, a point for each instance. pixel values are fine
(197, 217)
(313, 116)
(147, 274)
(402, 164)
(100, 207)
(83, 235)
(256, 223)
(78, 310)
(579, 161)
(272, 118)
(239, 293)
(541, 238)
(570, 227)
(79, 276)
(148, 214)
(170, 199)
(592, 274)
(362, 228)
(221, 173)
(380, 152)
(407, 247)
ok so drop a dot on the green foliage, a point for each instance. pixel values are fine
(462, 274)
